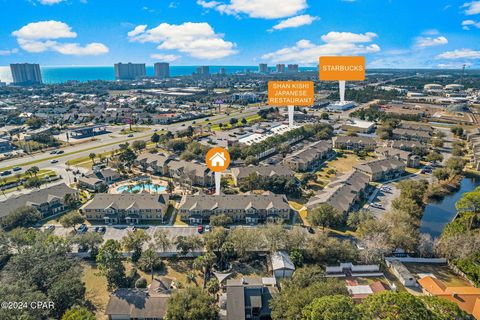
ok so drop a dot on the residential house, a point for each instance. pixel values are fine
(401, 272)
(189, 172)
(354, 143)
(467, 298)
(49, 201)
(241, 173)
(407, 145)
(98, 180)
(144, 304)
(382, 169)
(308, 157)
(409, 158)
(249, 298)
(360, 292)
(409, 134)
(126, 208)
(282, 265)
(343, 193)
(247, 208)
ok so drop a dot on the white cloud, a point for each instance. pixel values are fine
(266, 9)
(348, 37)
(50, 2)
(295, 22)
(472, 8)
(423, 42)
(8, 52)
(91, 49)
(336, 43)
(165, 57)
(45, 30)
(43, 35)
(460, 54)
(138, 29)
(453, 65)
(208, 4)
(466, 24)
(198, 40)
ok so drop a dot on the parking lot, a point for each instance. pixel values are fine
(382, 201)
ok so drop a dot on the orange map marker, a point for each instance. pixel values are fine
(217, 160)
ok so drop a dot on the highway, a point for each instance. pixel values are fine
(110, 142)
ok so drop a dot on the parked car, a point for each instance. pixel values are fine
(207, 228)
(49, 227)
(53, 152)
(83, 228)
(5, 173)
(60, 151)
(200, 229)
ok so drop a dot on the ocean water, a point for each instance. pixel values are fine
(85, 73)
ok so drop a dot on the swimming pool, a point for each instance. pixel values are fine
(133, 188)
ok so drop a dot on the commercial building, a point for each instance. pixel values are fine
(382, 169)
(26, 73)
(263, 68)
(126, 208)
(48, 201)
(308, 157)
(130, 71)
(162, 70)
(247, 208)
(280, 68)
(292, 68)
(241, 173)
(340, 106)
(5, 145)
(203, 71)
(356, 125)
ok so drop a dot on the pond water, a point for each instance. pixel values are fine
(440, 212)
(152, 188)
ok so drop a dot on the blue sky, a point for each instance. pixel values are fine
(390, 33)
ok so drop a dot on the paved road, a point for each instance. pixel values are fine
(72, 152)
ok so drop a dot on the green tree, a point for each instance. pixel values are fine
(455, 164)
(325, 215)
(138, 145)
(92, 157)
(78, 313)
(21, 217)
(149, 260)
(394, 305)
(444, 309)
(71, 219)
(133, 241)
(330, 308)
(191, 303)
(109, 261)
(220, 220)
(433, 156)
(89, 240)
(162, 240)
(155, 138)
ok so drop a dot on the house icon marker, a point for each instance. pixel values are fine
(218, 159)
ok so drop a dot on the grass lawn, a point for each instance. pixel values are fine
(133, 130)
(96, 288)
(41, 173)
(302, 213)
(442, 272)
(179, 222)
(227, 125)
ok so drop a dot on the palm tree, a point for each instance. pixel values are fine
(33, 170)
(161, 239)
(148, 182)
(149, 259)
(141, 184)
(92, 157)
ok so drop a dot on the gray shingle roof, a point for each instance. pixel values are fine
(379, 165)
(234, 202)
(36, 197)
(124, 201)
(136, 303)
(265, 171)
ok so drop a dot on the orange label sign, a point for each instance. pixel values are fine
(342, 68)
(290, 93)
(217, 159)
